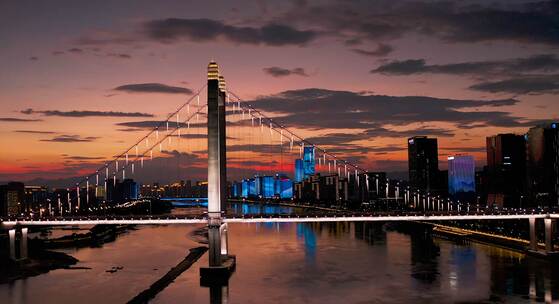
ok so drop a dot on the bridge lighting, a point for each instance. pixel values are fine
(151, 154)
(156, 133)
(97, 178)
(329, 169)
(136, 150)
(147, 142)
(142, 162)
(78, 192)
(116, 165)
(167, 122)
(291, 144)
(123, 174)
(132, 168)
(126, 157)
(87, 191)
(270, 129)
(188, 109)
(114, 180)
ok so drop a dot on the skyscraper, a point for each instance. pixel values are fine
(462, 177)
(542, 155)
(506, 169)
(423, 162)
(299, 170)
(308, 161)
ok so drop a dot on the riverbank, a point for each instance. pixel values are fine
(39, 262)
(466, 235)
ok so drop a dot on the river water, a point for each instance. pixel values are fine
(299, 263)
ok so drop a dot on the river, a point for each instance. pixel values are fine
(299, 263)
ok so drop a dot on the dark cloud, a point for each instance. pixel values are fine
(33, 58)
(384, 132)
(532, 22)
(321, 108)
(459, 149)
(150, 124)
(81, 158)
(536, 63)
(119, 55)
(75, 51)
(152, 88)
(282, 72)
(381, 51)
(70, 139)
(56, 53)
(534, 85)
(10, 119)
(86, 113)
(200, 30)
(34, 132)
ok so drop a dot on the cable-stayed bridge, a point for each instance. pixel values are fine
(267, 136)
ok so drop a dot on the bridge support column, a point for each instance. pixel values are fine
(23, 244)
(214, 241)
(548, 223)
(18, 243)
(533, 236)
(12, 235)
(221, 265)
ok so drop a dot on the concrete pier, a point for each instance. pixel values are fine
(533, 236)
(18, 243)
(548, 224)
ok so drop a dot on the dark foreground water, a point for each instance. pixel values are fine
(300, 263)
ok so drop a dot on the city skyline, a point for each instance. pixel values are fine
(78, 92)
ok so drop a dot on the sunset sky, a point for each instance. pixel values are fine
(81, 81)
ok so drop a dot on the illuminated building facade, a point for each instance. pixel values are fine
(308, 161)
(462, 177)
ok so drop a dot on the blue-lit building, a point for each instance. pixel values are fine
(308, 161)
(267, 186)
(299, 170)
(252, 187)
(461, 177)
(283, 187)
(244, 188)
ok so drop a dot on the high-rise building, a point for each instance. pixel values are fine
(267, 186)
(130, 189)
(299, 170)
(308, 161)
(423, 162)
(505, 173)
(542, 155)
(12, 198)
(462, 177)
(35, 196)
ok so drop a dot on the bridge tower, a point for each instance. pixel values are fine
(220, 263)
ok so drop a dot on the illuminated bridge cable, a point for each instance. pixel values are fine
(152, 131)
(277, 127)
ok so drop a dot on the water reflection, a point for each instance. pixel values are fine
(307, 235)
(301, 263)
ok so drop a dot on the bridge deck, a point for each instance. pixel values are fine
(275, 218)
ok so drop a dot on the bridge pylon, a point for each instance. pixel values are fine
(221, 264)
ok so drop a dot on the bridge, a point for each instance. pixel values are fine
(419, 206)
